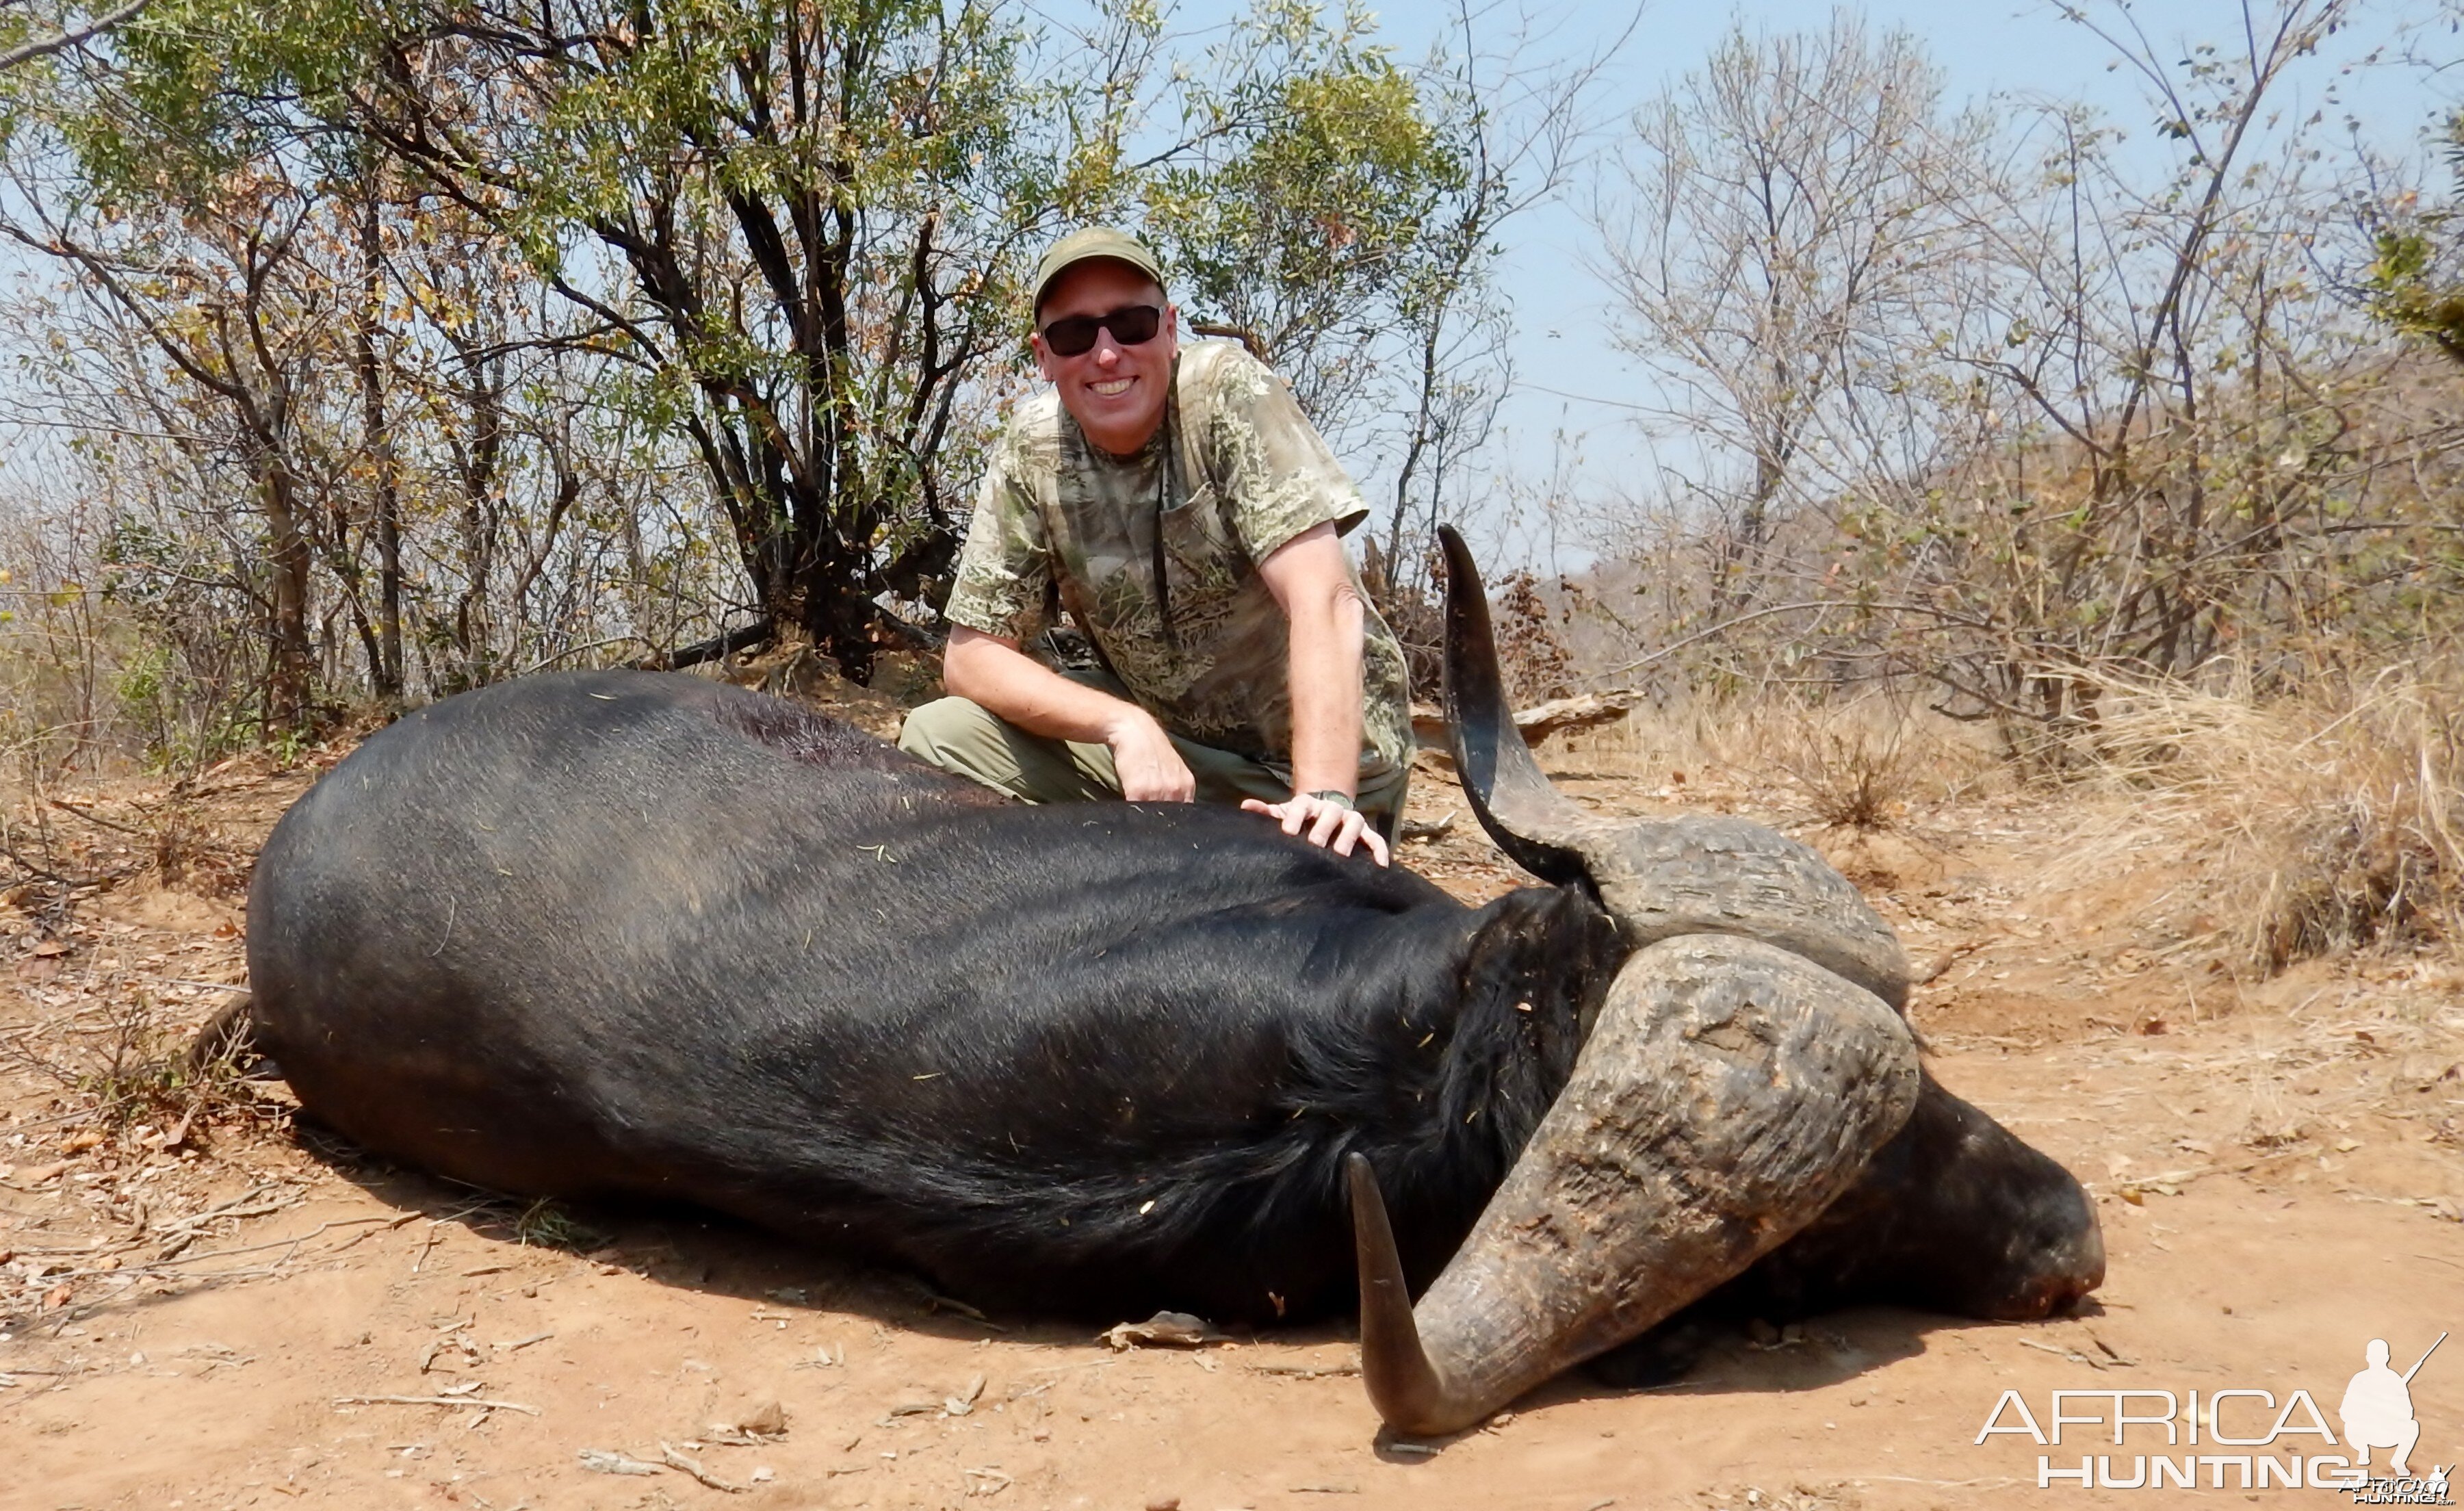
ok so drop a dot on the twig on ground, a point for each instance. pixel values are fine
(678, 1462)
(935, 1301)
(231, 1209)
(436, 1400)
(2072, 1355)
(171, 1266)
(73, 811)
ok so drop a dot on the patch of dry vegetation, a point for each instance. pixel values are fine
(131, 1062)
(2316, 822)
(2297, 824)
(1862, 763)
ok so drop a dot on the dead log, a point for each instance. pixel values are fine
(1584, 711)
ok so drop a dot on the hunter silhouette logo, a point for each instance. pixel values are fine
(2377, 1411)
(2238, 1439)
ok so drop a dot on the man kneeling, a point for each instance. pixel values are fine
(1189, 517)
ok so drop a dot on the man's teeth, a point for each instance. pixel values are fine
(1110, 387)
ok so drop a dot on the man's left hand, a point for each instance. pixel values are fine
(1328, 825)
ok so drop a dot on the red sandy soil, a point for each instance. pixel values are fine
(201, 1317)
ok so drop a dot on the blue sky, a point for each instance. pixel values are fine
(1570, 379)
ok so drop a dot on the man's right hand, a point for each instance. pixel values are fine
(1150, 770)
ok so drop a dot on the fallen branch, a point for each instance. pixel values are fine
(717, 646)
(1557, 717)
(224, 1209)
(178, 980)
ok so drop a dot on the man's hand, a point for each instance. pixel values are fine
(1143, 758)
(1328, 825)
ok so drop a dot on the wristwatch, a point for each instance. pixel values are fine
(1340, 800)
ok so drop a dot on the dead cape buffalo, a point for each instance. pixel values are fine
(627, 935)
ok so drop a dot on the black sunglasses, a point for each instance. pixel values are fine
(1131, 326)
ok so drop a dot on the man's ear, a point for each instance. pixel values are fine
(1043, 358)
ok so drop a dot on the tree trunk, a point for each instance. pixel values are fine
(385, 677)
(287, 678)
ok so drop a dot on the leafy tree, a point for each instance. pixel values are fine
(809, 217)
(2415, 281)
(1341, 212)
(206, 278)
(1302, 215)
(568, 327)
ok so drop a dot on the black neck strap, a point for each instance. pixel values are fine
(1165, 467)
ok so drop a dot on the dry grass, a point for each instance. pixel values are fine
(2265, 829)
(2317, 823)
(1858, 765)
(1863, 763)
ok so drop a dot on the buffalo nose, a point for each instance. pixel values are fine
(2085, 1268)
(2068, 1267)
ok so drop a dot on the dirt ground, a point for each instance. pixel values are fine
(230, 1310)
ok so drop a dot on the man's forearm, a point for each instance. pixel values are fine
(1325, 651)
(1007, 682)
(1324, 615)
(1023, 690)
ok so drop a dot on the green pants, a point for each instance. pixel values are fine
(961, 737)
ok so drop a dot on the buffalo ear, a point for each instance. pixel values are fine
(1529, 818)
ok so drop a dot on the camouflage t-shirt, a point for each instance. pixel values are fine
(1249, 474)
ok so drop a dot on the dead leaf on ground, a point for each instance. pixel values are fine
(1162, 1330)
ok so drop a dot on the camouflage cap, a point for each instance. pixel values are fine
(1085, 246)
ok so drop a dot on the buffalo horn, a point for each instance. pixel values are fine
(1402, 1383)
(1660, 878)
(1514, 800)
(1728, 1093)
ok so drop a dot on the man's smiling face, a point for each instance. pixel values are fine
(1116, 393)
